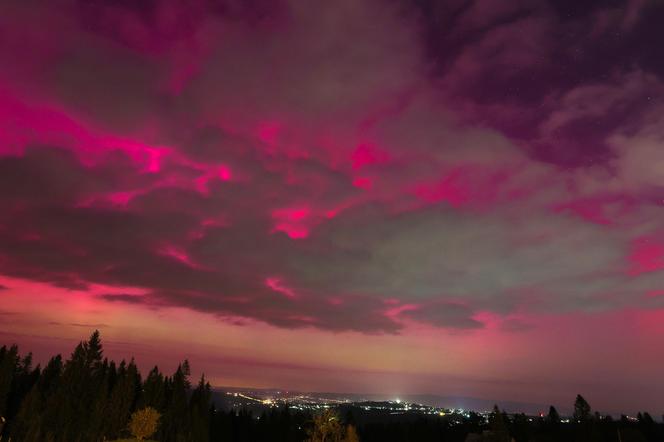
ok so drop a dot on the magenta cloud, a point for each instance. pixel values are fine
(348, 165)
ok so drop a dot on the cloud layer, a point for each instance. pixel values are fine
(357, 165)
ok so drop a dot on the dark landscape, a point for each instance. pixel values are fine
(86, 397)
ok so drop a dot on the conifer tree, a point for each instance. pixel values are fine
(100, 401)
(154, 394)
(71, 404)
(31, 420)
(581, 409)
(175, 427)
(199, 406)
(122, 400)
(9, 361)
(553, 416)
(498, 425)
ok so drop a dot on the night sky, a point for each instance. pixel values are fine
(459, 197)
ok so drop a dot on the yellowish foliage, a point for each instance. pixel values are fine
(327, 427)
(144, 423)
(351, 434)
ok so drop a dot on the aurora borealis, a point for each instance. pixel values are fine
(454, 197)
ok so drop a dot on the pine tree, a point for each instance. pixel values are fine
(553, 416)
(154, 394)
(581, 409)
(199, 406)
(498, 424)
(9, 361)
(70, 406)
(122, 400)
(175, 427)
(30, 419)
(94, 351)
(23, 380)
(98, 412)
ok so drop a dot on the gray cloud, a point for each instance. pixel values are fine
(122, 297)
(458, 210)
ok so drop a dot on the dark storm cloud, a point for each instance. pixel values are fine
(52, 176)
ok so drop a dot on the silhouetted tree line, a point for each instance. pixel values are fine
(584, 426)
(88, 398)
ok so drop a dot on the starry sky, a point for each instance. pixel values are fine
(458, 197)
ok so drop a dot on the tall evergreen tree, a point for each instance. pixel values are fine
(71, 404)
(122, 400)
(553, 417)
(30, 419)
(154, 391)
(23, 379)
(98, 411)
(581, 409)
(175, 424)
(9, 361)
(199, 406)
(498, 425)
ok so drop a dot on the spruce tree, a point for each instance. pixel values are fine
(154, 393)
(581, 409)
(199, 406)
(99, 410)
(9, 361)
(175, 425)
(70, 406)
(122, 400)
(498, 424)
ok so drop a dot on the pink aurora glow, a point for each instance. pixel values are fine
(262, 168)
